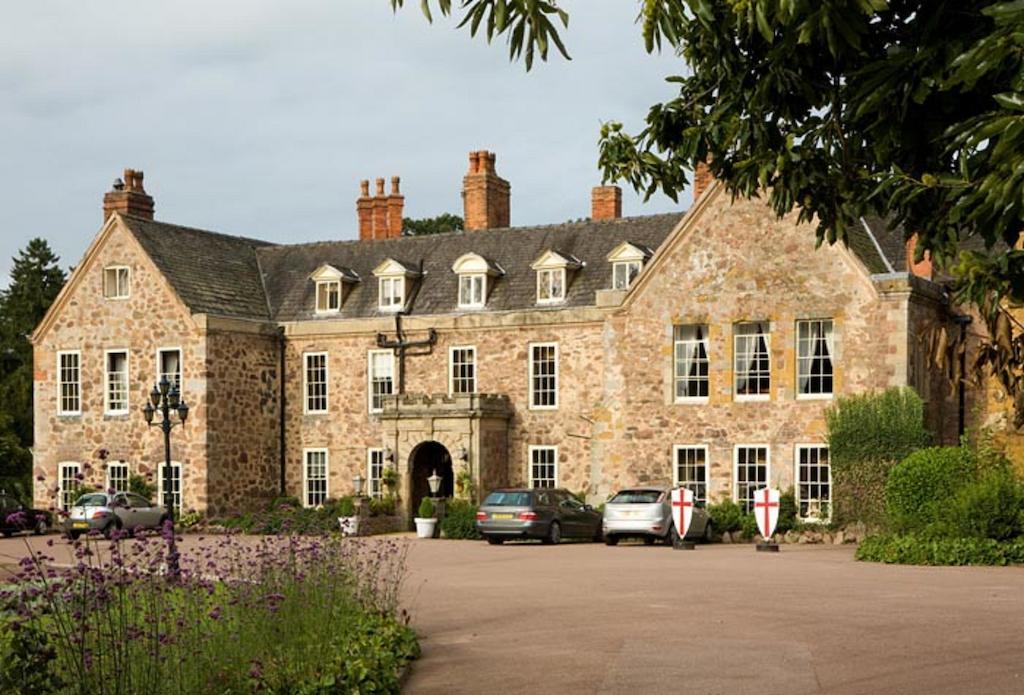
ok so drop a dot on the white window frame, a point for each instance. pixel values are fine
(625, 266)
(767, 334)
(68, 471)
(326, 308)
(306, 478)
(127, 378)
(395, 298)
(370, 379)
(824, 518)
(176, 472)
(306, 384)
(181, 366)
(554, 464)
(451, 369)
(127, 475)
(545, 276)
(532, 376)
(77, 384)
(736, 468)
(127, 288)
(472, 279)
(375, 478)
(800, 361)
(677, 345)
(676, 482)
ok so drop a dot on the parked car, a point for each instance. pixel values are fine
(545, 514)
(107, 513)
(646, 512)
(15, 517)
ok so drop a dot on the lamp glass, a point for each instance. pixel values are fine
(164, 386)
(357, 484)
(434, 481)
(147, 411)
(154, 397)
(183, 411)
(174, 398)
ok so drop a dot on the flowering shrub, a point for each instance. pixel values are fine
(276, 614)
(284, 516)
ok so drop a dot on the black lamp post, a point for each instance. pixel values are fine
(166, 400)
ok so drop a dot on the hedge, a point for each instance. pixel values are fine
(912, 549)
(920, 489)
(460, 520)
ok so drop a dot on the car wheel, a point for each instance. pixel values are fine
(108, 532)
(649, 540)
(494, 540)
(73, 535)
(709, 532)
(554, 534)
(40, 527)
(611, 540)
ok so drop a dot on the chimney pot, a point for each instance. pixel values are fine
(364, 189)
(380, 186)
(128, 197)
(394, 185)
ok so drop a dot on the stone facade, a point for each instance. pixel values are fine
(616, 420)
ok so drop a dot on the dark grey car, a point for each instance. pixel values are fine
(548, 515)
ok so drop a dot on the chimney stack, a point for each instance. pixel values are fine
(606, 203)
(380, 217)
(128, 197)
(485, 195)
(702, 180)
(923, 268)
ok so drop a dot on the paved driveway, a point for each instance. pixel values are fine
(721, 619)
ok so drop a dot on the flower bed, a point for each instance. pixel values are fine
(276, 614)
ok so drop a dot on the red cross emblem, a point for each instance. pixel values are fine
(766, 511)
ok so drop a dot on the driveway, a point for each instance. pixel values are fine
(721, 619)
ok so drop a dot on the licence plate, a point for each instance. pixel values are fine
(631, 512)
(503, 516)
(80, 524)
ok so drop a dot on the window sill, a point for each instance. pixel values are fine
(814, 396)
(327, 312)
(542, 408)
(692, 400)
(70, 415)
(117, 415)
(470, 307)
(316, 413)
(752, 399)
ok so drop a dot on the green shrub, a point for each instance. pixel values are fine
(459, 521)
(867, 435)
(787, 512)
(726, 516)
(748, 525)
(27, 660)
(991, 507)
(426, 510)
(920, 489)
(287, 501)
(383, 506)
(913, 549)
(138, 485)
(345, 506)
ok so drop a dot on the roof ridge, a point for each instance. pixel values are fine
(210, 232)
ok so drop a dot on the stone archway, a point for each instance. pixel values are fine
(426, 459)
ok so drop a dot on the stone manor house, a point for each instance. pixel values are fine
(698, 348)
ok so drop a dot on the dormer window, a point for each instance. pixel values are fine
(328, 296)
(552, 276)
(627, 261)
(117, 282)
(474, 271)
(393, 279)
(331, 283)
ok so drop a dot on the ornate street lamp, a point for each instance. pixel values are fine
(166, 400)
(357, 484)
(434, 481)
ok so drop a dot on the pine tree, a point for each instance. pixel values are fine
(36, 279)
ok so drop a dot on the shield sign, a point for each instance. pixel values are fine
(766, 510)
(682, 509)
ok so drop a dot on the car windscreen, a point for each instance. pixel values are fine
(507, 499)
(95, 500)
(636, 497)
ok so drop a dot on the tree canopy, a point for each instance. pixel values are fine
(35, 281)
(442, 224)
(913, 110)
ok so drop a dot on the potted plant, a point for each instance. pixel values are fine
(425, 521)
(348, 520)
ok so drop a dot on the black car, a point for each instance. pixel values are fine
(16, 517)
(548, 515)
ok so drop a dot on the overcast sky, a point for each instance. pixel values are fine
(259, 117)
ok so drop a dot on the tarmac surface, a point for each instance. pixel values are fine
(586, 618)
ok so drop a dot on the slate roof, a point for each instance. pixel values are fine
(286, 269)
(212, 273)
(234, 276)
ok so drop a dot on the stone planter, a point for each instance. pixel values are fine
(425, 527)
(349, 525)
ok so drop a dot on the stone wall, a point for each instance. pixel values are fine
(151, 318)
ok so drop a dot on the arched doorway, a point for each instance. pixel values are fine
(426, 459)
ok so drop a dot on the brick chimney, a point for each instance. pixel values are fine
(485, 195)
(702, 180)
(128, 197)
(606, 203)
(380, 217)
(922, 268)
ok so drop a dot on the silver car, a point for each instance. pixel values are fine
(646, 512)
(107, 513)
